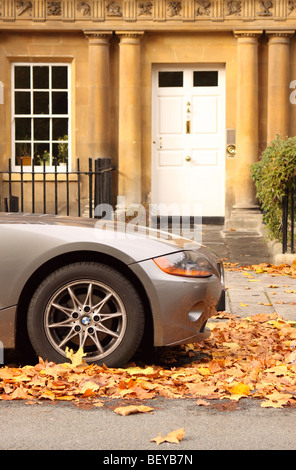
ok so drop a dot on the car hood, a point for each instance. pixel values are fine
(134, 243)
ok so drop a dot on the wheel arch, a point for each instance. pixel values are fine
(22, 340)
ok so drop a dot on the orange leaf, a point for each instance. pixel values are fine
(127, 410)
(240, 389)
(88, 393)
(201, 402)
(19, 394)
(65, 397)
(173, 437)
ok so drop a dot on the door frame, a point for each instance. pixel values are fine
(170, 67)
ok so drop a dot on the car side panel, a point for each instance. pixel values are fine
(24, 248)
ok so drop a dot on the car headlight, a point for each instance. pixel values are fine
(185, 263)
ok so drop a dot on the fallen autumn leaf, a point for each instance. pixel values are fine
(173, 437)
(132, 409)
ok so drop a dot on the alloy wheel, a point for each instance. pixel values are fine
(85, 314)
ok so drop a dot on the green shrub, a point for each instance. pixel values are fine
(274, 174)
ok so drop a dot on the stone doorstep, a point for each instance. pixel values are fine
(242, 219)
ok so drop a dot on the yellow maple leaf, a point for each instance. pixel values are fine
(75, 358)
(278, 370)
(65, 397)
(173, 437)
(231, 345)
(132, 409)
(204, 371)
(140, 370)
(270, 404)
(240, 389)
(275, 324)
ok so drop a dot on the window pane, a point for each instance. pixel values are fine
(60, 151)
(170, 79)
(22, 103)
(41, 129)
(41, 153)
(40, 77)
(22, 129)
(60, 128)
(40, 119)
(22, 77)
(23, 150)
(59, 77)
(209, 78)
(59, 102)
(41, 102)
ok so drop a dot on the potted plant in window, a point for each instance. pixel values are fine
(45, 157)
(23, 151)
(63, 150)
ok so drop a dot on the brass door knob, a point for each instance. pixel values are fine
(231, 149)
(188, 158)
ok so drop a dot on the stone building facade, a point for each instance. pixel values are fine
(183, 95)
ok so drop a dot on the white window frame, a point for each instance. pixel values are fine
(49, 168)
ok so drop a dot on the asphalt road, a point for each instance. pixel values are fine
(65, 427)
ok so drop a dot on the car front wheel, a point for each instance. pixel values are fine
(90, 306)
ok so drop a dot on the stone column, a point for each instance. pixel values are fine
(278, 84)
(98, 93)
(129, 139)
(247, 117)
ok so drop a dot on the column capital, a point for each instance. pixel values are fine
(97, 36)
(280, 36)
(249, 35)
(130, 37)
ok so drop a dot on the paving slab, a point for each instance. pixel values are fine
(243, 247)
(266, 295)
(249, 293)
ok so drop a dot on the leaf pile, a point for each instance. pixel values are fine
(264, 268)
(254, 357)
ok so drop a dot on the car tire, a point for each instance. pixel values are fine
(88, 305)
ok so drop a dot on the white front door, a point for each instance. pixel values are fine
(188, 139)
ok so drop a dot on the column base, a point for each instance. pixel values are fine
(244, 218)
(246, 207)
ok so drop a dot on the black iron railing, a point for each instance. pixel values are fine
(288, 219)
(95, 181)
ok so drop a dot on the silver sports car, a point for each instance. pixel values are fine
(69, 283)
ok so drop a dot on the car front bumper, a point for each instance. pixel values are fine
(180, 306)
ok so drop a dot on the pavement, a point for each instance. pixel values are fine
(250, 293)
